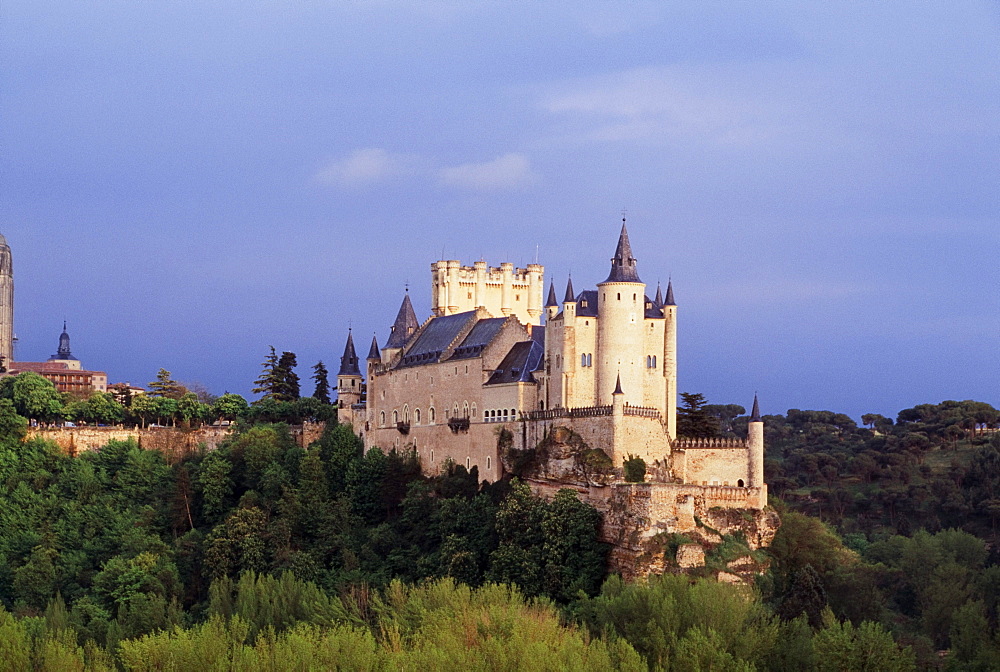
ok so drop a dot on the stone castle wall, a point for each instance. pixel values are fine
(171, 441)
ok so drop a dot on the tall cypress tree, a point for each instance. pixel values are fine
(321, 376)
(267, 380)
(286, 380)
(692, 418)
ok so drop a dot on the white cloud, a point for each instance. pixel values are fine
(362, 167)
(509, 171)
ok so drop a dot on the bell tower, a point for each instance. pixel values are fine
(6, 304)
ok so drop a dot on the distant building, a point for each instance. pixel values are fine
(65, 371)
(6, 304)
(123, 391)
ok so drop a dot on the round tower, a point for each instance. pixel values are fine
(6, 304)
(621, 310)
(670, 359)
(755, 442)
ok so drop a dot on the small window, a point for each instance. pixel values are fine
(381, 419)
(739, 483)
(583, 360)
(474, 410)
(416, 416)
(489, 463)
(619, 296)
(505, 415)
(468, 463)
(432, 455)
(431, 414)
(395, 417)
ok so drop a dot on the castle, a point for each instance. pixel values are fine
(482, 377)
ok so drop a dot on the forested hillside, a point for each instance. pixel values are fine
(264, 555)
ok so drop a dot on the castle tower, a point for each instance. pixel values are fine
(755, 440)
(551, 305)
(621, 305)
(502, 291)
(404, 327)
(6, 304)
(569, 364)
(348, 381)
(669, 308)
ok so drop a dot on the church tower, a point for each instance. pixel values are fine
(621, 301)
(64, 355)
(6, 305)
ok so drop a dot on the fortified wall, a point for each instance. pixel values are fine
(171, 441)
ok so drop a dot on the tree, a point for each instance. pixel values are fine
(35, 397)
(165, 386)
(230, 407)
(692, 418)
(635, 469)
(287, 381)
(321, 376)
(725, 414)
(268, 380)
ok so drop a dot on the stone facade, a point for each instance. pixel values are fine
(481, 384)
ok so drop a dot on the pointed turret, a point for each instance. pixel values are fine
(670, 294)
(570, 296)
(755, 413)
(349, 362)
(63, 353)
(658, 301)
(373, 352)
(623, 263)
(618, 385)
(404, 326)
(755, 443)
(551, 301)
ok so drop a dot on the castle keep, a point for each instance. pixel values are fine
(481, 379)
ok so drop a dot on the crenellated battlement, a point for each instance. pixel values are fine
(686, 443)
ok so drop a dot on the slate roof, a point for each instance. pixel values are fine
(517, 365)
(755, 413)
(436, 336)
(670, 294)
(404, 326)
(480, 336)
(623, 263)
(570, 296)
(652, 310)
(349, 362)
(659, 296)
(586, 303)
(373, 351)
(551, 301)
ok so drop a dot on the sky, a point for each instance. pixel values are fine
(187, 184)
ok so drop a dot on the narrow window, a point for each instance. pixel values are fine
(395, 417)
(583, 360)
(381, 419)
(468, 464)
(489, 463)
(473, 410)
(432, 414)
(619, 296)
(416, 416)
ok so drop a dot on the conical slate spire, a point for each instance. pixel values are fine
(63, 352)
(373, 351)
(404, 326)
(623, 263)
(570, 295)
(670, 294)
(658, 301)
(618, 385)
(755, 413)
(551, 301)
(349, 362)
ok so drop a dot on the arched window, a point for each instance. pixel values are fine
(381, 419)
(406, 413)
(395, 417)
(654, 361)
(505, 415)
(513, 414)
(590, 359)
(454, 410)
(431, 414)
(583, 360)
(465, 409)
(619, 296)
(474, 410)
(739, 483)
(416, 416)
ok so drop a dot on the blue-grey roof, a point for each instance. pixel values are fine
(538, 334)
(436, 337)
(569, 297)
(670, 294)
(373, 351)
(586, 303)
(623, 263)
(480, 336)
(755, 413)
(349, 362)
(653, 309)
(551, 301)
(517, 365)
(659, 296)
(404, 326)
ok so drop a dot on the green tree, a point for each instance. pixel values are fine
(165, 386)
(269, 380)
(35, 397)
(13, 427)
(230, 407)
(287, 388)
(321, 376)
(692, 418)
(635, 469)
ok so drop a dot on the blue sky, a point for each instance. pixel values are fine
(189, 183)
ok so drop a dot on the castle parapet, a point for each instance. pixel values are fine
(642, 411)
(688, 443)
(581, 412)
